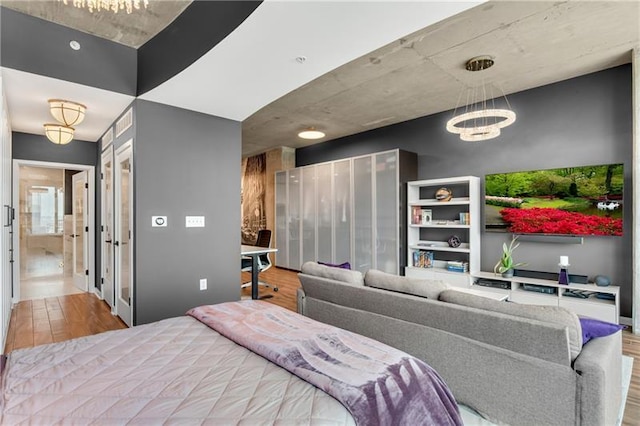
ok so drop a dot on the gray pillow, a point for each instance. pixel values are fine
(339, 274)
(551, 314)
(418, 287)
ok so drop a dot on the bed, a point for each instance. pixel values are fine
(195, 370)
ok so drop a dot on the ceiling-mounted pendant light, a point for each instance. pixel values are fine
(58, 134)
(481, 119)
(67, 112)
(311, 133)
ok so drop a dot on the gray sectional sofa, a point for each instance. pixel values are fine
(514, 364)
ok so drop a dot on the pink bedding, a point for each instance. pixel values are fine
(378, 384)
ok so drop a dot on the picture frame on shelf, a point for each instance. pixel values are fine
(427, 216)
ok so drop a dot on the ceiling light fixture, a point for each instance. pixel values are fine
(114, 5)
(58, 134)
(481, 120)
(67, 112)
(311, 133)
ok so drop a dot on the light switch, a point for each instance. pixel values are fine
(158, 221)
(194, 221)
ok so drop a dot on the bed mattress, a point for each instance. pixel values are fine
(175, 371)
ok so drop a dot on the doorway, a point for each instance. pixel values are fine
(53, 243)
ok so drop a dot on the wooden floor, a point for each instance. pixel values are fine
(60, 318)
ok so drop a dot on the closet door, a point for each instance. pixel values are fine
(308, 228)
(293, 222)
(387, 227)
(282, 254)
(107, 225)
(124, 233)
(342, 211)
(325, 212)
(363, 213)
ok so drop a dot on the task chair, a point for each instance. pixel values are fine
(262, 240)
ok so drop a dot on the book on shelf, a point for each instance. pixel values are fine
(423, 259)
(464, 218)
(456, 266)
(416, 215)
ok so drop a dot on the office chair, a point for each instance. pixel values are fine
(262, 240)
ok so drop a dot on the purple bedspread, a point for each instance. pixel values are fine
(378, 384)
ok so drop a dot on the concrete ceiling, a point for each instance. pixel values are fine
(132, 30)
(381, 71)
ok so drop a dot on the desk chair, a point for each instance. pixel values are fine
(262, 240)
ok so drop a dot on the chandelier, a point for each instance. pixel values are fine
(113, 5)
(481, 118)
(68, 114)
(58, 134)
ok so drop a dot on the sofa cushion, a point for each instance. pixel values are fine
(418, 287)
(551, 314)
(592, 328)
(338, 274)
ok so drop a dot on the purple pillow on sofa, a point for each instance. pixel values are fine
(345, 265)
(592, 328)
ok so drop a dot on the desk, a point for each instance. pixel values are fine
(253, 252)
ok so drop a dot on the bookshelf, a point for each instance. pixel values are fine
(443, 236)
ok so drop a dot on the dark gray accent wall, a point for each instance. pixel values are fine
(26, 146)
(41, 47)
(193, 33)
(582, 121)
(185, 164)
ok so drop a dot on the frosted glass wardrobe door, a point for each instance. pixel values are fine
(362, 214)
(325, 209)
(388, 227)
(293, 221)
(342, 211)
(308, 228)
(281, 220)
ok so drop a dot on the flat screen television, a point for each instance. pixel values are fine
(580, 201)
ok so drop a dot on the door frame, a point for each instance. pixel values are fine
(91, 249)
(106, 156)
(85, 223)
(125, 150)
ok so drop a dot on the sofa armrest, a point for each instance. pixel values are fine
(300, 297)
(600, 385)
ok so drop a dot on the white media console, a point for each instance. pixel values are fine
(598, 302)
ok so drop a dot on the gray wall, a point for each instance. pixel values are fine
(26, 146)
(582, 121)
(185, 163)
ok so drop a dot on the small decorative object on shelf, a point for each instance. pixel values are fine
(505, 265)
(454, 241)
(444, 194)
(602, 280)
(563, 278)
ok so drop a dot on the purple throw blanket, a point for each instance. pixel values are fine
(378, 384)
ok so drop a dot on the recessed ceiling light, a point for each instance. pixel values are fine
(74, 45)
(311, 133)
(301, 59)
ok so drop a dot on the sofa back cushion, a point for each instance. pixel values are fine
(333, 273)
(418, 287)
(550, 314)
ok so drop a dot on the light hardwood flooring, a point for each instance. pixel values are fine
(35, 322)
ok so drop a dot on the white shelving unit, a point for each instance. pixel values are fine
(431, 238)
(591, 306)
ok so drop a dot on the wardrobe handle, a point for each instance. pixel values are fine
(116, 244)
(108, 241)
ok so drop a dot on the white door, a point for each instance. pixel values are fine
(80, 230)
(107, 226)
(123, 233)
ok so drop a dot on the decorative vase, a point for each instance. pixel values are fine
(508, 273)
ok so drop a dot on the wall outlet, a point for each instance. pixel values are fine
(194, 221)
(203, 283)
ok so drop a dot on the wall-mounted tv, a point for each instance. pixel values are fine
(585, 200)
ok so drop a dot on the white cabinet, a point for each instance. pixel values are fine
(443, 236)
(597, 302)
(348, 210)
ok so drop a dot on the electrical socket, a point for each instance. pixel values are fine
(203, 283)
